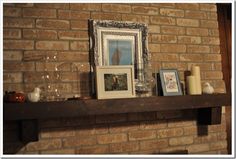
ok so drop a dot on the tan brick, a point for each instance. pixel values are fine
(189, 39)
(57, 133)
(165, 57)
(191, 57)
(18, 44)
(188, 22)
(18, 23)
(170, 150)
(73, 56)
(142, 135)
(18, 87)
(191, 130)
(153, 125)
(52, 24)
(215, 49)
(172, 30)
(203, 66)
(212, 15)
(177, 65)
(163, 38)
(52, 5)
(40, 56)
(12, 78)
(39, 34)
(173, 48)
(100, 149)
(166, 133)
(72, 76)
(52, 45)
(119, 8)
(212, 57)
(198, 148)
(153, 29)
(93, 130)
(12, 55)
(222, 136)
(111, 138)
(106, 16)
(172, 12)
(39, 13)
(59, 151)
(79, 45)
(180, 123)
(124, 147)
(24, 5)
(11, 33)
(117, 128)
(86, 6)
(208, 7)
(187, 6)
(11, 12)
(68, 14)
(135, 18)
(218, 145)
(213, 75)
(44, 145)
(145, 10)
(197, 31)
(210, 137)
(153, 144)
(198, 49)
(218, 66)
(162, 20)
(154, 47)
(186, 140)
(36, 77)
(76, 141)
(209, 24)
(195, 14)
(214, 32)
(219, 86)
(73, 35)
(162, 5)
(79, 24)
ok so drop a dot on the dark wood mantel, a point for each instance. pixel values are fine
(76, 108)
(208, 106)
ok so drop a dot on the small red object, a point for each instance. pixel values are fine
(14, 97)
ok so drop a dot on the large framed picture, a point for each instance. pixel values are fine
(115, 82)
(170, 82)
(115, 43)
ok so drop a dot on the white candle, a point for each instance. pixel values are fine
(191, 85)
(195, 71)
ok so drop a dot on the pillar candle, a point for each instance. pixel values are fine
(191, 85)
(195, 71)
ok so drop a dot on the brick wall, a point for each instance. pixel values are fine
(179, 35)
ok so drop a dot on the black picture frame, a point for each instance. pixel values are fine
(170, 82)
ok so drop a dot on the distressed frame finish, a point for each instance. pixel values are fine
(98, 28)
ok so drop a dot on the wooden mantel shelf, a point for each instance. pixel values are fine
(28, 114)
(77, 108)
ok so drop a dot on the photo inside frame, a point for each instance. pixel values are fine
(116, 82)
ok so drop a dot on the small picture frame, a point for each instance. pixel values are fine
(170, 82)
(115, 82)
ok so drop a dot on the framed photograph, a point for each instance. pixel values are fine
(119, 43)
(170, 82)
(115, 82)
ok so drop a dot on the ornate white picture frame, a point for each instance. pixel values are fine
(118, 43)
